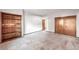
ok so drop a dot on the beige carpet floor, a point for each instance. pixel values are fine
(42, 41)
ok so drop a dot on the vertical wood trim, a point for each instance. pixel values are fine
(0, 28)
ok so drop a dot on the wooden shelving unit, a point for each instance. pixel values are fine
(11, 26)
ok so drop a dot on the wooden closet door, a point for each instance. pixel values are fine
(11, 26)
(59, 25)
(70, 25)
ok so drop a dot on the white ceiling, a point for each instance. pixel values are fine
(46, 12)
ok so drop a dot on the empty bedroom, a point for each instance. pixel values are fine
(39, 29)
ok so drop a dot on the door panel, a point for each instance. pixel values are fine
(70, 25)
(59, 25)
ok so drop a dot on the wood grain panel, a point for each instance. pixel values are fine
(70, 25)
(0, 28)
(59, 25)
(6, 16)
(17, 17)
(11, 26)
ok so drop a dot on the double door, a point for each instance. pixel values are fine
(66, 25)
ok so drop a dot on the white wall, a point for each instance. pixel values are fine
(15, 11)
(32, 23)
(77, 25)
(51, 20)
